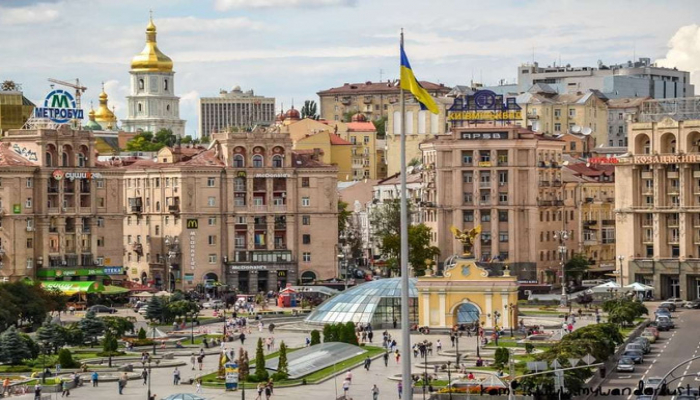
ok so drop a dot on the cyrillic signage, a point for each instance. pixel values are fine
(56, 272)
(483, 135)
(59, 107)
(667, 159)
(58, 175)
(484, 105)
(248, 267)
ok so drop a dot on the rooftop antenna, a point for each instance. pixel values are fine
(381, 74)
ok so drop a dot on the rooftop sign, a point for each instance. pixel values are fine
(59, 107)
(484, 105)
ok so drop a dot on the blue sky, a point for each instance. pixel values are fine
(290, 49)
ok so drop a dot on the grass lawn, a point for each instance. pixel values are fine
(212, 380)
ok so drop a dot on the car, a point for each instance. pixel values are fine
(652, 330)
(675, 300)
(663, 324)
(635, 347)
(214, 304)
(646, 345)
(653, 382)
(695, 304)
(663, 311)
(667, 305)
(650, 336)
(625, 364)
(143, 310)
(667, 319)
(636, 356)
(98, 309)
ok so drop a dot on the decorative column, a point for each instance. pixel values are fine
(426, 308)
(443, 308)
(505, 316)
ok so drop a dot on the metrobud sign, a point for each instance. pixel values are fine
(59, 107)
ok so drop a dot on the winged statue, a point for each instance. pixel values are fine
(467, 238)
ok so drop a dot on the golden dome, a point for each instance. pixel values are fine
(151, 59)
(104, 116)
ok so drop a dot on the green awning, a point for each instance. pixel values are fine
(71, 288)
(111, 289)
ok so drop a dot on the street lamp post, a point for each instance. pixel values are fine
(449, 379)
(457, 351)
(509, 308)
(154, 338)
(425, 369)
(192, 327)
(621, 258)
(563, 236)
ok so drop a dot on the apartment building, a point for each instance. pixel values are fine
(620, 113)
(60, 209)
(234, 109)
(506, 179)
(248, 212)
(372, 99)
(658, 203)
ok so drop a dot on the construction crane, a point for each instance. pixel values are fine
(78, 88)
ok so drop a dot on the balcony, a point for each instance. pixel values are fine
(260, 227)
(239, 188)
(590, 222)
(545, 203)
(279, 207)
(280, 246)
(53, 210)
(174, 209)
(608, 222)
(648, 240)
(590, 242)
(556, 183)
(485, 185)
(648, 175)
(544, 183)
(345, 101)
(367, 100)
(259, 207)
(280, 226)
(136, 209)
(672, 174)
(532, 115)
(559, 203)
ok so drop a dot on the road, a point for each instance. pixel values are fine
(672, 348)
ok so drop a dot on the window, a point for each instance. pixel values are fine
(100, 202)
(30, 243)
(212, 221)
(101, 241)
(100, 183)
(100, 222)
(503, 198)
(211, 240)
(258, 161)
(468, 198)
(277, 161)
(306, 220)
(157, 230)
(304, 182)
(502, 178)
(167, 220)
(28, 203)
(141, 85)
(486, 217)
(366, 140)
(572, 146)
(503, 215)
(305, 202)
(485, 156)
(211, 182)
(306, 239)
(212, 258)
(128, 239)
(503, 237)
(238, 161)
(165, 85)
(306, 257)
(30, 182)
(620, 130)
(557, 112)
(572, 112)
(557, 127)
(211, 201)
(468, 216)
(467, 177)
(467, 158)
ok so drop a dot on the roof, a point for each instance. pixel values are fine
(337, 140)
(591, 170)
(8, 158)
(378, 87)
(361, 191)
(627, 102)
(361, 126)
(205, 158)
(564, 98)
(396, 179)
(305, 160)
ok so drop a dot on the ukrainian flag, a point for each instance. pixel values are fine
(410, 83)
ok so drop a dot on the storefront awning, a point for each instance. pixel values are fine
(111, 289)
(71, 288)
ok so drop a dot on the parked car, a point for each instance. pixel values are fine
(635, 347)
(676, 300)
(625, 364)
(668, 319)
(98, 309)
(653, 382)
(695, 304)
(214, 304)
(663, 311)
(667, 305)
(636, 356)
(663, 324)
(644, 342)
(143, 309)
(649, 335)
(653, 331)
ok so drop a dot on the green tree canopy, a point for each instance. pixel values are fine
(261, 374)
(51, 336)
(343, 215)
(147, 141)
(155, 310)
(118, 326)
(13, 349)
(92, 327)
(309, 110)
(576, 267)
(380, 125)
(283, 365)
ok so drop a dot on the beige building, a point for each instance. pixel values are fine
(372, 99)
(60, 210)
(546, 111)
(658, 204)
(506, 179)
(248, 212)
(421, 125)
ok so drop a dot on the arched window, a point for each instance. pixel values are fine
(81, 160)
(140, 107)
(167, 108)
(49, 159)
(277, 161)
(141, 85)
(257, 161)
(467, 313)
(65, 159)
(238, 161)
(165, 85)
(157, 205)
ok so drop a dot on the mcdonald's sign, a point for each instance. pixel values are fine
(193, 223)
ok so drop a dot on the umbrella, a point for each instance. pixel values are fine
(162, 293)
(603, 288)
(111, 289)
(639, 287)
(142, 294)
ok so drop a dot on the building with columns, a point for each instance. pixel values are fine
(152, 104)
(466, 294)
(657, 187)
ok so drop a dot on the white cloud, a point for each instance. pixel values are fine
(40, 13)
(194, 24)
(188, 110)
(223, 5)
(684, 52)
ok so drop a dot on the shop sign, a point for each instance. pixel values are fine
(240, 174)
(483, 135)
(603, 160)
(667, 159)
(114, 270)
(189, 277)
(282, 274)
(60, 107)
(193, 245)
(58, 175)
(248, 267)
(272, 175)
(484, 105)
(43, 272)
(16, 208)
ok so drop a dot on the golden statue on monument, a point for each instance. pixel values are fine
(467, 238)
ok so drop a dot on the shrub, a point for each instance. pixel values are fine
(65, 358)
(142, 334)
(315, 337)
(529, 348)
(501, 357)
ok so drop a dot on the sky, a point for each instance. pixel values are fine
(291, 49)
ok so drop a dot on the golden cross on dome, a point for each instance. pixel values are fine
(150, 14)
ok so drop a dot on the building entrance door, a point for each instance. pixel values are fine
(697, 288)
(675, 288)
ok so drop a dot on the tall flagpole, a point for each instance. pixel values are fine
(405, 317)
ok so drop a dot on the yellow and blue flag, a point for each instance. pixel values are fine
(410, 83)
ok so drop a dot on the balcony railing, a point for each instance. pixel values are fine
(260, 207)
(174, 209)
(544, 183)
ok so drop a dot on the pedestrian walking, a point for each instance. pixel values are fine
(452, 339)
(65, 386)
(200, 361)
(261, 388)
(398, 356)
(439, 345)
(386, 359)
(192, 360)
(95, 379)
(144, 375)
(400, 388)
(37, 391)
(176, 376)
(375, 392)
(199, 386)
(395, 322)
(348, 376)
(121, 383)
(346, 388)
(268, 392)
(5, 386)
(368, 361)
(242, 337)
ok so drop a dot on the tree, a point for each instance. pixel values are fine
(142, 334)
(350, 336)
(165, 137)
(347, 116)
(65, 359)
(118, 326)
(13, 349)
(147, 141)
(282, 365)
(576, 267)
(380, 126)
(343, 215)
(73, 334)
(205, 140)
(243, 365)
(419, 248)
(51, 336)
(92, 327)
(260, 371)
(315, 337)
(501, 357)
(309, 110)
(187, 139)
(623, 311)
(110, 346)
(155, 310)
(182, 308)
